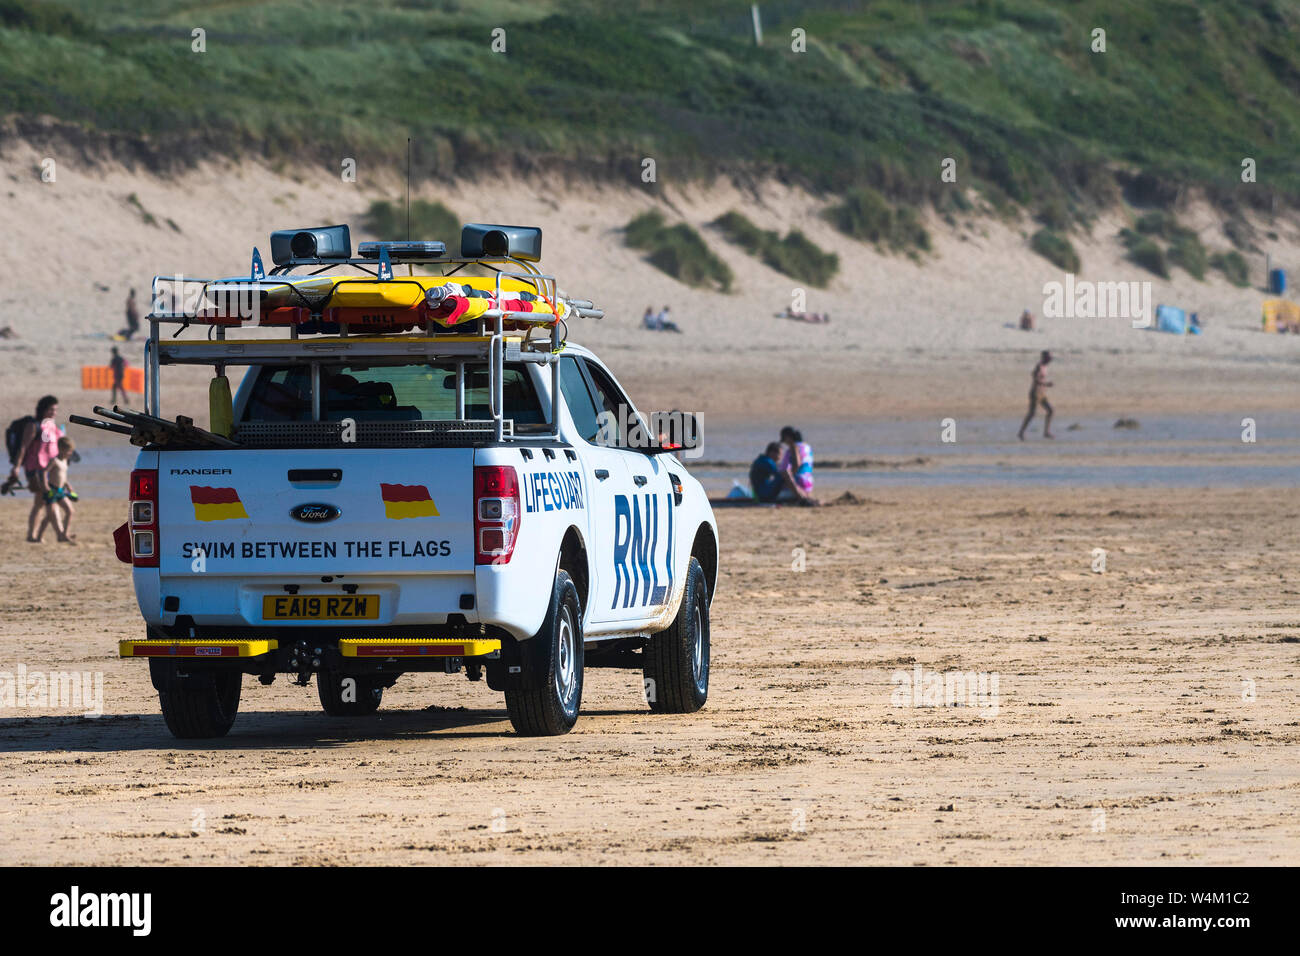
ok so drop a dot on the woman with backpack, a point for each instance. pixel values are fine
(36, 448)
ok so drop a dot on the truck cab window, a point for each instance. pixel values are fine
(388, 393)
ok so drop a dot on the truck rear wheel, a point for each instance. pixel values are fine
(676, 666)
(358, 699)
(548, 705)
(200, 704)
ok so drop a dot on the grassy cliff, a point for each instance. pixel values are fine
(885, 91)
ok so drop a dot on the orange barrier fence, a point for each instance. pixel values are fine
(95, 377)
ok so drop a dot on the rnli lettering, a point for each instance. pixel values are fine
(637, 561)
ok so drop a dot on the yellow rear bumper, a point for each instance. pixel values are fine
(205, 650)
(436, 647)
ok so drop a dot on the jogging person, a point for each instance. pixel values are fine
(1038, 396)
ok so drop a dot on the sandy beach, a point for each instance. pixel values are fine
(1145, 715)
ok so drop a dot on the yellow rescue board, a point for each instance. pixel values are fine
(402, 292)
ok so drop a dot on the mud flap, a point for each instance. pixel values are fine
(164, 671)
(518, 666)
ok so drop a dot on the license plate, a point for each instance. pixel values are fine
(320, 607)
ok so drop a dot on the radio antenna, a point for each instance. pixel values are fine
(408, 189)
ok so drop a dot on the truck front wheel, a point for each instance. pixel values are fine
(200, 703)
(346, 695)
(547, 704)
(676, 664)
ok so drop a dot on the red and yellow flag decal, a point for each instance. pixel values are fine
(407, 501)
(216, 504)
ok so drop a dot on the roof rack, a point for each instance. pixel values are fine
(178, 300)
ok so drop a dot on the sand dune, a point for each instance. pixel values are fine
(909, 338)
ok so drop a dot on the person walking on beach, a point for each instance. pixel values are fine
(39, 446)
(1038, 395)
(117, 365)
(132, 318)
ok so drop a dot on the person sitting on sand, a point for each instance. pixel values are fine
(60, 494)
(797, 466)
(1026, 321)
(765, 478)
(650, 320)
(666, 324)
(1038, 395)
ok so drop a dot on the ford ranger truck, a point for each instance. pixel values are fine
(421, 544)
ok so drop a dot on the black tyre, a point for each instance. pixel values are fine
(547, 705)
(200, 704)
(676, 664)
(360, 698)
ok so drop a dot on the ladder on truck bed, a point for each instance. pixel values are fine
(486, 341)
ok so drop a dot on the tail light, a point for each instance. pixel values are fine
(496, 513)
(143, 519)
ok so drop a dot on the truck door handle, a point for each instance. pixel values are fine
(640, 480)
(602, 474)
(315, 474)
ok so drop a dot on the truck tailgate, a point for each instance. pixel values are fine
(308, 512)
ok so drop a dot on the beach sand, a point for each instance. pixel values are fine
(1146, 715)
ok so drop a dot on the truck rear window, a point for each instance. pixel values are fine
(387, 393)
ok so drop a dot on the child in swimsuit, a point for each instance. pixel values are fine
(60, 495)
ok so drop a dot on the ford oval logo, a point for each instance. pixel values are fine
(315, 513)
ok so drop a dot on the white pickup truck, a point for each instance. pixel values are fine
(433, 500)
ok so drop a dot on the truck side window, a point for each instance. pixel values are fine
(574, 389)
(612, 400)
